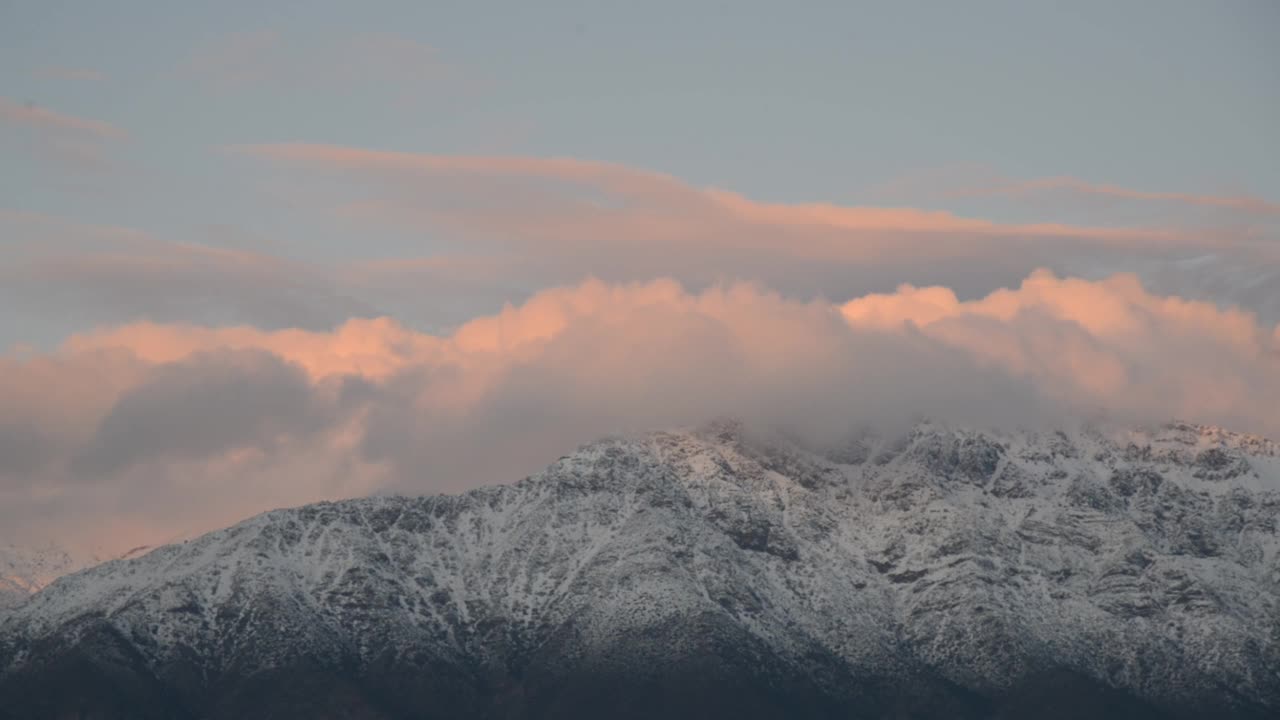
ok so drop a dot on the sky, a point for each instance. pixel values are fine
(259, 256)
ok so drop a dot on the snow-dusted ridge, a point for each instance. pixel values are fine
(24, 570)
(1147, 562)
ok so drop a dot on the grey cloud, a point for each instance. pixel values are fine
(66, 277)
(24, 447)
(203, 406)
(670, 368)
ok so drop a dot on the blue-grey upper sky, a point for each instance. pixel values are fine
(821, 101)
(153, 118)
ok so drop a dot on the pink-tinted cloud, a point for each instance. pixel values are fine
(527, 222)
(67, 144)
(500, 228)
(374, 348)
(133, 434)
(561, 203)
(1239, 203)
(980, 182)
(682, 206)
(1108, 343)
(46, 120)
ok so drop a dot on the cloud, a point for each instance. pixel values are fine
(497, 229)
(45, 120)
(976, 182)
(63, 142)
(57, 269)
(203, 406)
(1110, 344)
(1239, 203)
(132, 434)
(374, 348)
(561, 219)
(52, 403)
(667, 194)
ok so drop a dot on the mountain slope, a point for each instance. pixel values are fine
(944, 573)
(24, 570)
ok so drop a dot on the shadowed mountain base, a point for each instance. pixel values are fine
(727, 675)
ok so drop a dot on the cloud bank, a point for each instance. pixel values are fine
(203, 384)
(137, 433)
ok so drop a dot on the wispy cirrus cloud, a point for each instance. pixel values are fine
(667, 193)
(58, 271)
(981, 182)
(43, 119)
(1239, 203)
(60, 141)
(564, 219)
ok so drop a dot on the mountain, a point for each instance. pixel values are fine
(24, 570)
(710, 573)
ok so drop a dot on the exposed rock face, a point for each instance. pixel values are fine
(710, 574)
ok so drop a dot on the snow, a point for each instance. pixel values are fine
(25, 570)
(1146, 558)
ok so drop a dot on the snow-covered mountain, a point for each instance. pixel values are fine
(710, 573)
(25, 570)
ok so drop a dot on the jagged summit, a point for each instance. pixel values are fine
(943, 572)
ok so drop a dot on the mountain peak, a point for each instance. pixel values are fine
(961, 564)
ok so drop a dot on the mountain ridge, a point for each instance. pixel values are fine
(944, 571)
